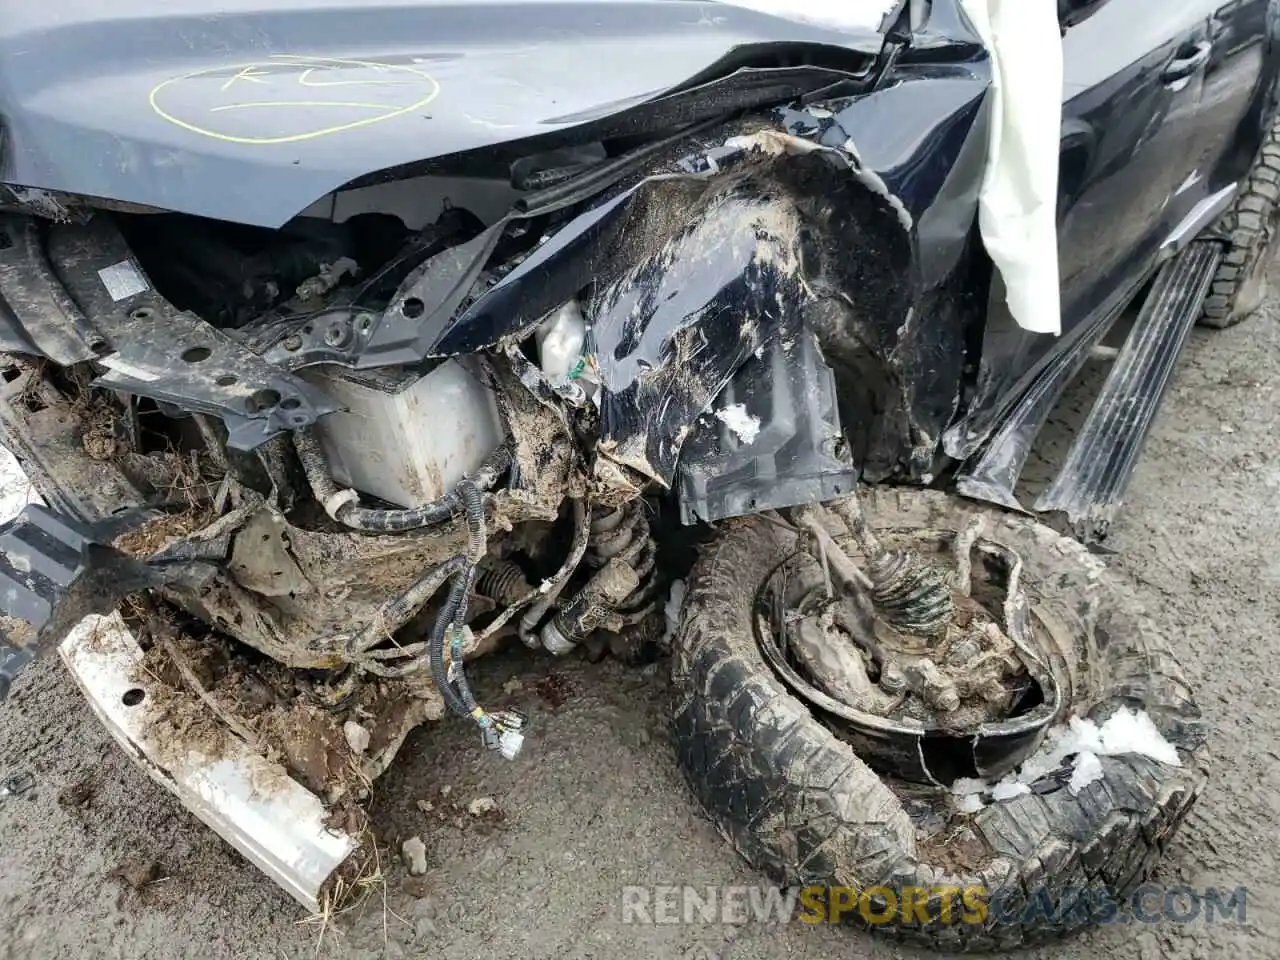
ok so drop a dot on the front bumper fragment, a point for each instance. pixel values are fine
(249, 801)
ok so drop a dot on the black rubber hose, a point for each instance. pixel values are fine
(445, 619)
(398, 611)
(473, 504)
(473, 508)
(372, 520)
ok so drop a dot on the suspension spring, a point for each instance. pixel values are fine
(623, 533)
(910, 593)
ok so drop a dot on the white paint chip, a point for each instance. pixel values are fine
(123, 280)
(740, 423)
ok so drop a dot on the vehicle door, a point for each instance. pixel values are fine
(1134, 145)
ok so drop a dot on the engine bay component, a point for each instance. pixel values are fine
(407, 438)
(560, 340)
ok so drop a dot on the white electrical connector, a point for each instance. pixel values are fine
(510, 744)
(339, 500)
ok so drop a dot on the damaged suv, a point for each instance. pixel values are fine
(344, 346)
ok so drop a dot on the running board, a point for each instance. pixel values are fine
(1090, 487)
(994, 474)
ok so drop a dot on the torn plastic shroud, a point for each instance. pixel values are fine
(55, 571)
(934, 754)
(57, 304)
(744, 229)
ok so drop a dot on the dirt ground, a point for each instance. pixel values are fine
(596, 801)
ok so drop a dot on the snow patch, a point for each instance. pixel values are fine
(1007, 790)
(968, 785)
(1126, 732)
(671, 610)
(1088, 769)
(740, 423)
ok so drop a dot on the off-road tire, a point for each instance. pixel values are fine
(801, 806)
(1239, 285)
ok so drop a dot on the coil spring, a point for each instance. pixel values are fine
(503, 582)
(623, 532)
(911, 593)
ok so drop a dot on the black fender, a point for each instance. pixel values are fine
(847, 226)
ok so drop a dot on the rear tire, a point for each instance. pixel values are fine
(800, 805)
(1240, 284)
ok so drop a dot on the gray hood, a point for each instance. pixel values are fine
(249, 110)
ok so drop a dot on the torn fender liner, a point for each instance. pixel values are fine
(774, 440)
(55, 571)
(250, 802)
(670, 333)
(693, 269)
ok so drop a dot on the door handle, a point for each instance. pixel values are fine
(1190, 58)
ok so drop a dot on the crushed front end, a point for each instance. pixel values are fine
(295, 478)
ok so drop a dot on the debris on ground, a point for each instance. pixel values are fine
(77, 794)
(554, 689)
(137, 872)
(426, 806)
(16, 785)
(1124, 732)
(512, 686)
(482, 806)
(357, 736)
(414, 852)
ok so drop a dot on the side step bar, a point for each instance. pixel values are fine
(994, 474)
(1090, 486)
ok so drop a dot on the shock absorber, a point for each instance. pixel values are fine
(622, 592)
(623, 533)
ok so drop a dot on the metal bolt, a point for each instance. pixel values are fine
(336, 335)
(892, 679)
(292, 342)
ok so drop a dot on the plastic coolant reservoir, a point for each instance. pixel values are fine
(407, 440)
(560, 339)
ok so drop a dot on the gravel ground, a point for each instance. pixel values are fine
(596, 802)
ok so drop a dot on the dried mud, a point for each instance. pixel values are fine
(596, 802)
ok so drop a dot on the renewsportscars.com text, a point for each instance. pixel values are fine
(1150, 903)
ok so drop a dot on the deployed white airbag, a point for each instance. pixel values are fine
(1018, 204)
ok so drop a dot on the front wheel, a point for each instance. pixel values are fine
(799, 803)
